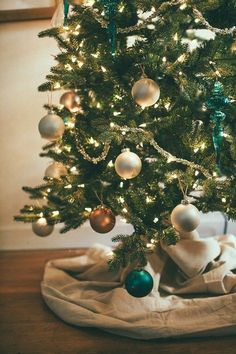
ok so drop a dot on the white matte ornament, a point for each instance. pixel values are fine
(51, 127)
(56, 170)
(41, 227)
(185, 217)
(145, 92)
(128, 164)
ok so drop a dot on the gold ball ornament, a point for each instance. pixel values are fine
(128, 164)
(76, 2)
(71, 101)
(145, 92)
(51, 127)
(102, 220)
(56, 170)
(185, 217)
(41, 227)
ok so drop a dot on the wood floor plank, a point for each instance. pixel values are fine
(27, 326)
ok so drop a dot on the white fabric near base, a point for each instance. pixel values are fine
(192, 294)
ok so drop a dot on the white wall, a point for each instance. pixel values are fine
(24, 62)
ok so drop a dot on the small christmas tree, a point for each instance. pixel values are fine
(146, 119)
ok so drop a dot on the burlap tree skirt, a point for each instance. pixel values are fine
(194, 291)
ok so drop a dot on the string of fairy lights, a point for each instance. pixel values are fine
(155, 13)
(145, 92)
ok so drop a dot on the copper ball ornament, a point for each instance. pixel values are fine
(128, 164)
(41, 227)
(76, 2)
(71, 101)
(55, 170)
(102, 220)
(185, 217)
(145, 92)
(51, 127)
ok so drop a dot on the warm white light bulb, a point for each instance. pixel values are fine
(88, 209)
(110, 164)
(120, 199)
(69, 186)
(55, 213)
(57, 85)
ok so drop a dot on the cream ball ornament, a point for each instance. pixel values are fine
(51, 127)
(185, 217)
(145, 92)
(128, 164)
(56, 170)
(41, 227)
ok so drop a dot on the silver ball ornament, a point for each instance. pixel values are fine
(128, 164)
(41, 227)
(51, 127)
(56, 170)
(185, 217)
(145, 92)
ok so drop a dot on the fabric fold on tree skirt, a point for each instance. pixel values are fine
(194, 291)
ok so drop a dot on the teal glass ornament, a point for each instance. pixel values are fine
(216, 103)
(139, 283)
(66, 120)
(110, 7)
(66, 11)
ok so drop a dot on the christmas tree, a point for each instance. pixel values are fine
(146, 120)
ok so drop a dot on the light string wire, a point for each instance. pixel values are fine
(152, 142)
(197, 14)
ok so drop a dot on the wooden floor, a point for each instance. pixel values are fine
(27, 326)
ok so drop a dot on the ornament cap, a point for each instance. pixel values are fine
(125, 150)
(143, 76)
(101, 206)
(185, 201)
